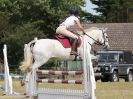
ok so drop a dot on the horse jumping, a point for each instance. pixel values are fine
(45, 49)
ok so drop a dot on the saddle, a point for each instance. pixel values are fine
(66, 41)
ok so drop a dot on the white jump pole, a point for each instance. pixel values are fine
(8, 78)
(89, 79)
(86, 71)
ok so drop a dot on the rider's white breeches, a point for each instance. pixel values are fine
(63, 30)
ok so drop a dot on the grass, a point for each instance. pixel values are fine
(16, 86)
(117, 90)
(106, 90)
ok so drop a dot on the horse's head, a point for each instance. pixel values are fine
(99, 36)
(105, 37)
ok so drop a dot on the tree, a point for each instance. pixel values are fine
(50, 12)
(15, 40)
(114, 10)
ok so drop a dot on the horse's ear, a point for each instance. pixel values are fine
(104, 29)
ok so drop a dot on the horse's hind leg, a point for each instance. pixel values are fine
(32, 85)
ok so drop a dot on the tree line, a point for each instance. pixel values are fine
(114, 11)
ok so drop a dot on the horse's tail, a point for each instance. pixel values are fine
(28, 56)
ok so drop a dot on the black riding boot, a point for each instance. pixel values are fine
(74, 47)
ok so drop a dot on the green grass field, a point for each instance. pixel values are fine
(111, 90)
(108, 90)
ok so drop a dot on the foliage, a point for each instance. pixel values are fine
(50, 11)
(114, 10)
(16, 39)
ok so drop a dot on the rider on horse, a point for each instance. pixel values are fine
(64, 26)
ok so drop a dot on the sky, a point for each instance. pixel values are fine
(89, 7)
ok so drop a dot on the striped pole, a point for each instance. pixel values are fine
(60, 81)
(52, 72)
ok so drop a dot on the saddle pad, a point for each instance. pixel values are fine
(65, 41)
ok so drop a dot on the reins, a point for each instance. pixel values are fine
(97, 42)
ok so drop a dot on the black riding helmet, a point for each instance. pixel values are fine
(74, 11)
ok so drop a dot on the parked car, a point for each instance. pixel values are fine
(115, 64)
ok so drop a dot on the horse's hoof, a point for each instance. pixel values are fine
(26, 96)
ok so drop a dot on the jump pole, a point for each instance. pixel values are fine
(8, 78)
(89, 79)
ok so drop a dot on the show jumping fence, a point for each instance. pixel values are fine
(49, 93)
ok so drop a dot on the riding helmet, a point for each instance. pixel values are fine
(74, 11)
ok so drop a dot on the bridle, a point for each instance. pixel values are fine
(97, 42)
(104, 37)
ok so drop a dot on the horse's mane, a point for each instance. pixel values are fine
(92, 28)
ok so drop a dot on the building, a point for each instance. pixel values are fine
(120, 35)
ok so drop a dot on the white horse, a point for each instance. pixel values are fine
(45, 49)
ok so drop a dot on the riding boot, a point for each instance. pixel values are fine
(74, 47)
